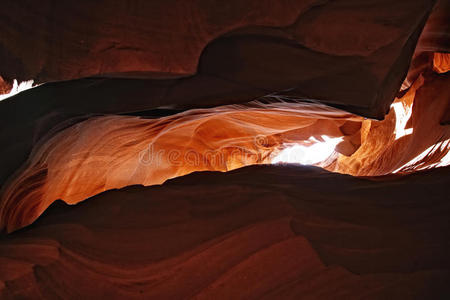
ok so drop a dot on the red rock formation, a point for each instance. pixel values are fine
(176, 87)
(250, 48)
(383, 151)
(256, 232)
(111, 152)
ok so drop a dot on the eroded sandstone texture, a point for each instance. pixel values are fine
(136, 93)
(256, 232)
(108, 152)
(359, 50)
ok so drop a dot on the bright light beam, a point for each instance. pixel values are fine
(402, 115)
(445, 161)
(308, 155)
(17, 88)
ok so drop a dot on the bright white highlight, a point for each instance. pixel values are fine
(402, 115)
(316, 153)
(445, 161)
(17, 88)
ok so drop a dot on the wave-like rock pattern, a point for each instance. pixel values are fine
(257, 232)
(247, 48)
(286, 50)
(108, 152)
(168, 37)
(384, 150)
(111, 152)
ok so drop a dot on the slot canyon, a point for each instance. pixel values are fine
(207, 149)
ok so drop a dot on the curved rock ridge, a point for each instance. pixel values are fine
(139, 38)
(416, 122)
(168, 37)
(247, 48)
(257, 232)
(109, 152)
(232, 69)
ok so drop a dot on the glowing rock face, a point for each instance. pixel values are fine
(388, 145)
(110, 152)
(441, 62)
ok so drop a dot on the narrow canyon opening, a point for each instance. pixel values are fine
(110, 152)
